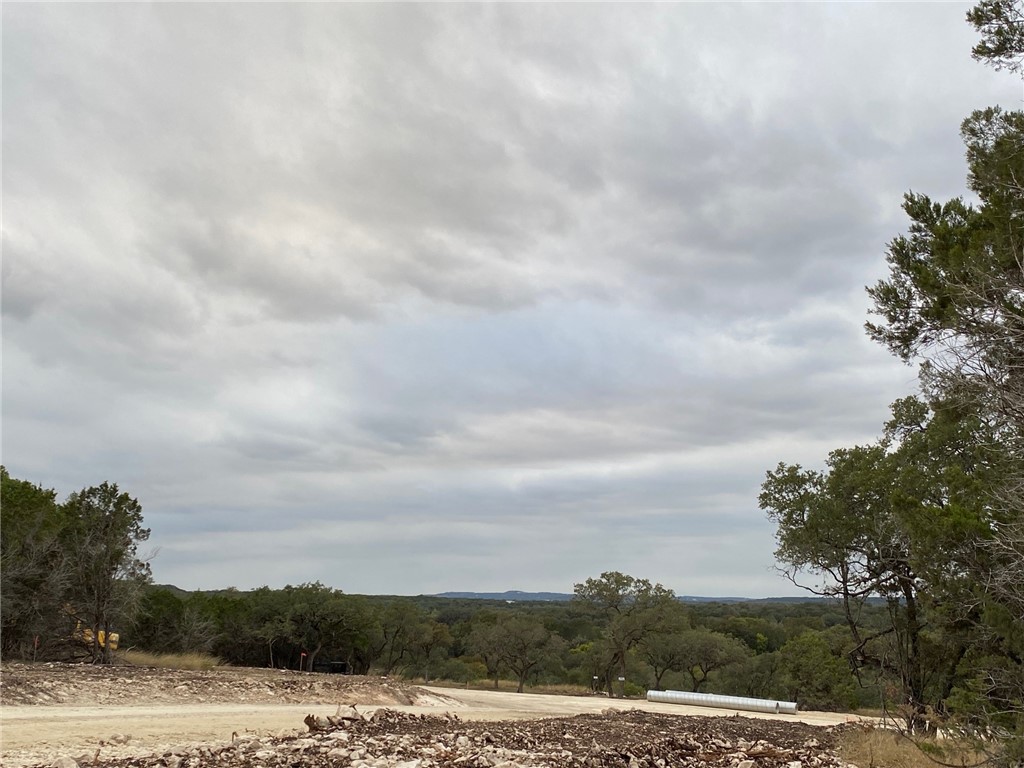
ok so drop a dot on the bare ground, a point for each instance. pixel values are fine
(120, 716)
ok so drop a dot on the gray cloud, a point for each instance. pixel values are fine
(415, 298)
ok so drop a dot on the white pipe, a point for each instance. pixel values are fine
(723, 702)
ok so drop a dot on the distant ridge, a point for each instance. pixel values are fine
(514, 595)
(518, 596)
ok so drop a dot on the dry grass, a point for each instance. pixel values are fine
(169, 660)
(878, 748)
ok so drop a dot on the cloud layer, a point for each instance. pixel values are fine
(410, 298)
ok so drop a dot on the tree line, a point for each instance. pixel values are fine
(75, 566)
(930, 516)
(73, 574)
(72, 571)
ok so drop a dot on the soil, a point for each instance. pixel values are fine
(88, 684)
(131, 717)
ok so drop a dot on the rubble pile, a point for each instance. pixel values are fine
(615, 739)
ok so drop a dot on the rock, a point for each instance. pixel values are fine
(746, 764)
(64, 762)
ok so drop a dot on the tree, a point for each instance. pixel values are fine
(33, 567)
(1001, 24)
(900, 519)
(487, 640)
(704, 652)
(270, 619)
(665, 648)
(155, 625)
(429, 642)
(320, 617)
(526, 645)
(954, 301)
(100, 538)
(813, 676)
(755, 676)
(400, 623)
(632, 608)
(954, 304)
(236, 619)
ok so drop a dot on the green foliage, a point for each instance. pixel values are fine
(756, 676)
(931, 518)
(71, 570)
(632, 609)
(813, 676)
(665, 648)
(34, 577)
(874, 524)
(156, 625)
(400, 622)
(526, 646)
(704, 652)
(1001, 25)
(486, 640)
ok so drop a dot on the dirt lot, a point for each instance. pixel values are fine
(69, 715)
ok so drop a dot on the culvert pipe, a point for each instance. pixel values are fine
(723, 702)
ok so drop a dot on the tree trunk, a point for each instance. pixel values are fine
(657, 678)
(108, 655)
(312, 657)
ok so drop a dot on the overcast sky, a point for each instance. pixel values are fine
(415, 298)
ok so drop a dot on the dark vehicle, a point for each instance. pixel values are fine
(331, 667)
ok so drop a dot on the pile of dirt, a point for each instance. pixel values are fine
(616, 739)
(83, 684)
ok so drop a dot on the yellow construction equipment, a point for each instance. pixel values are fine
(84, 634)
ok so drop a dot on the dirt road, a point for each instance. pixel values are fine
(33, 733)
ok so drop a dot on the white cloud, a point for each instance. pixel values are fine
(459, 297)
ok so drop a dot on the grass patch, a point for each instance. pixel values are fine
(169, 660)
(878, 748)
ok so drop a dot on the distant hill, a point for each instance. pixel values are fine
(177, 592)
(517, 596)
(514, 595)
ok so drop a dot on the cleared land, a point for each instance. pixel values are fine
(124, 713)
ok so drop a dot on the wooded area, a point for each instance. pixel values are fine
(619, 634)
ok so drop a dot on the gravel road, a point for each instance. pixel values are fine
(31, 734)
(46, 711)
